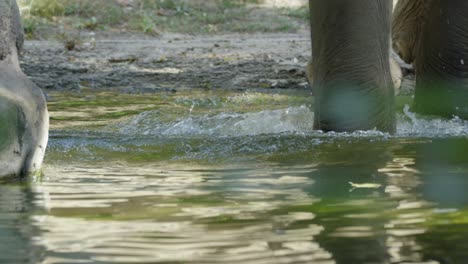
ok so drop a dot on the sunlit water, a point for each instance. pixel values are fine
(256, 187)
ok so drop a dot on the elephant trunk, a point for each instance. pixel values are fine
(351, 65)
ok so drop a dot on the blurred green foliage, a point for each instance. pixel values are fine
(154, 16)
(46, 8)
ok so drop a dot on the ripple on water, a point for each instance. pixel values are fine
(194, 215)
(103, 206)
(16, 234)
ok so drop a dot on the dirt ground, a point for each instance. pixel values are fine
(138, 63)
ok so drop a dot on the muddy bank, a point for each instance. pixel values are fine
(137, 63)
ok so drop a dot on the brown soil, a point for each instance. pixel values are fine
(133, 63)
(138, 63)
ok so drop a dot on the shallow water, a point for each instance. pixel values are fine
(237, 178)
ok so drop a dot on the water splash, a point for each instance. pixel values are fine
(292, 119)
(412, 125)
(290, 130)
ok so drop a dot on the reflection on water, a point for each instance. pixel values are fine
(281, 206)
(18, 235)
(217, 188)
(179, 213)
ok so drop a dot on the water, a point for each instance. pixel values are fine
(235, 178)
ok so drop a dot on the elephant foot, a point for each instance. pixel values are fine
(442, 61)
(447, 98)
(24, 123)
(11, 138)
(357, 107)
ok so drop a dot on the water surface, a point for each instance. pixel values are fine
(237, 178)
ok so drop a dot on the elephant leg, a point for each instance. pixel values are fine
(442, 60)
(24, 119)
(395, 71)
(409, 17)
(351, 65)
(12, 132)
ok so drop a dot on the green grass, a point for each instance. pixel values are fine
(155, 16)
(300, 13)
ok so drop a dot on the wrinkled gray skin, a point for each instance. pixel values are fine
(433, 35)
(24, 120)
(351, 46)
(351, 65)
